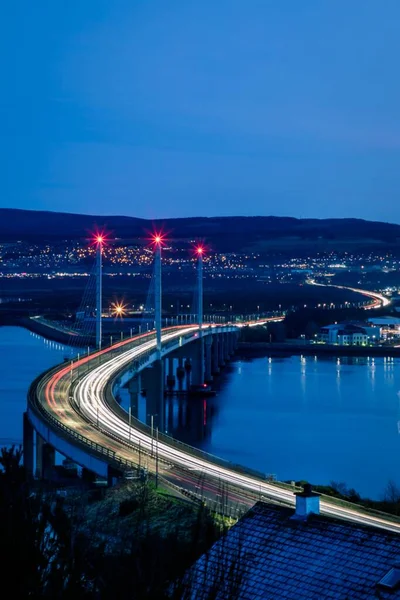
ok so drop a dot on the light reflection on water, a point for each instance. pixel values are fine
(325, 419)
(320, 419)
(23, 356)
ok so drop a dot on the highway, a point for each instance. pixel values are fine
(378, 300)
(86, 412)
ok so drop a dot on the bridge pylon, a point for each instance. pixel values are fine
(99, 289)
(157, 240)
(200, 252)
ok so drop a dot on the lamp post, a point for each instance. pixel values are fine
(200, 252)
(157, 240)
(99, 252)
(152, 430)
(156, 457)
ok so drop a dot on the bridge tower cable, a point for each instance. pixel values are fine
(200, 252)
(157, 240)
(99, 290)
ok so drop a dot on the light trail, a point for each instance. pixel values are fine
(116, 434)
(378, 300)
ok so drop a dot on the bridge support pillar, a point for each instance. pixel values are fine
(155, 405)
(235, 340)
(221, 350)
(28, 433)
(39, 456)
(112, 476)
(134, 387)
(207, 358)
(188, 371)
(45, 458)
(197, 354)
(215, 355)
(49, 461)
(180, 373)
(170, 376)
(232, 342)
(226, 354)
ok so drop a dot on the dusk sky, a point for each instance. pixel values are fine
(167, 108)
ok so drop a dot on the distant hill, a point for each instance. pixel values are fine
(225, 233)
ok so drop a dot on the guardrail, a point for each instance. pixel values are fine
(78, 371)
(120, 463)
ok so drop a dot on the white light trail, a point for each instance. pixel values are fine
(89, 397)
(379, 299)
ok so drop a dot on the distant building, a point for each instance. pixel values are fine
(329, 334)
(349, 334)
(275, 552)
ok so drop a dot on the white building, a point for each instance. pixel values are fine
(345, 334)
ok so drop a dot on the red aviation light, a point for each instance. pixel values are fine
(99, 238)
(157, 239)
(199, 250)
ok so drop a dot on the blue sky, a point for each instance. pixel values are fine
(166, 108)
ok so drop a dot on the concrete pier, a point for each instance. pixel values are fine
(221, 350)
(170, 376)
(28, 435)
(215, 356)
(180, 373)
(153, 382)
(197, 359)
(207, 359)
(134, 387)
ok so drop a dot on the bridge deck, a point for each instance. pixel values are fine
(72, 400)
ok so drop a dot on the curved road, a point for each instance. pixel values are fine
(86, 412)
(378, 300)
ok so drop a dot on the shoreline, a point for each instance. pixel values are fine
(49, 333)
(259, 349)
(238, 355)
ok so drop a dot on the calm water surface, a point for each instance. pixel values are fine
(297, 418)
(316, 419)
(23, 356)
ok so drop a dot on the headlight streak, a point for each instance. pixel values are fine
(89, 396)
(89, 400)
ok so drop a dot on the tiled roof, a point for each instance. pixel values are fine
(268, 555)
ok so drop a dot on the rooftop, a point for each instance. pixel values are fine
(268, 555)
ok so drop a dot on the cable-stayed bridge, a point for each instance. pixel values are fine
(72, 408)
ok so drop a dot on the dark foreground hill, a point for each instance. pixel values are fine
(224, 233)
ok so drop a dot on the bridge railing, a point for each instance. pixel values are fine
(137, 363)
(174, 443)
(102, 452)
(95, 358)
(35, 403)
(85, 362)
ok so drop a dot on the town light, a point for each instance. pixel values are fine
(118, 309)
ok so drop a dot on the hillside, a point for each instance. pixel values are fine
(225, 233)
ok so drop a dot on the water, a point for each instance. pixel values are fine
(298, 418)
(23, 356)
(321, 420)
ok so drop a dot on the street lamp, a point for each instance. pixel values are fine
(156, 457)
(152, 430)
(97, 406)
